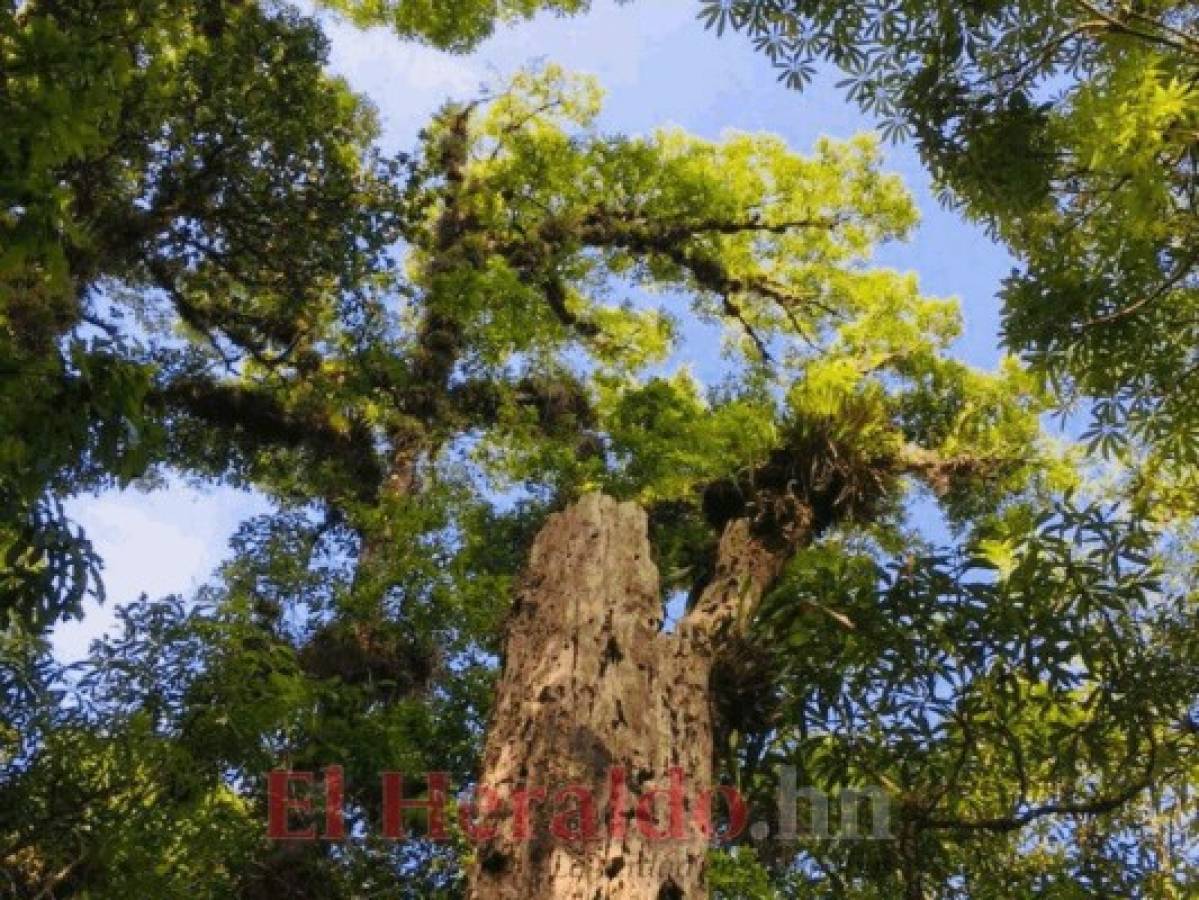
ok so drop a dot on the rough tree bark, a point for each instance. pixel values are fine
(591, 684)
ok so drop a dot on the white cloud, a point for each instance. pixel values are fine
(165, 542)
(405, 81)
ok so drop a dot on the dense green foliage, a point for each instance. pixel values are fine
(448, 24)
(151, 151)
(208, 269)
(1068, 127)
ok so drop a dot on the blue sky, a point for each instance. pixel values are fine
(659, 68)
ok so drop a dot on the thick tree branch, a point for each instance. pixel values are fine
(710, 273)
(260, 419)
(746, 568)
(786, 506)
(556, 299)
(604, 227)
(943, 473)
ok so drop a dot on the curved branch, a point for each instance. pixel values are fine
(1013, 823)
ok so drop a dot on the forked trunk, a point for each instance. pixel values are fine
(608, 715)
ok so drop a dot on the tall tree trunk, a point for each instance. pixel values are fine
(594, 694)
